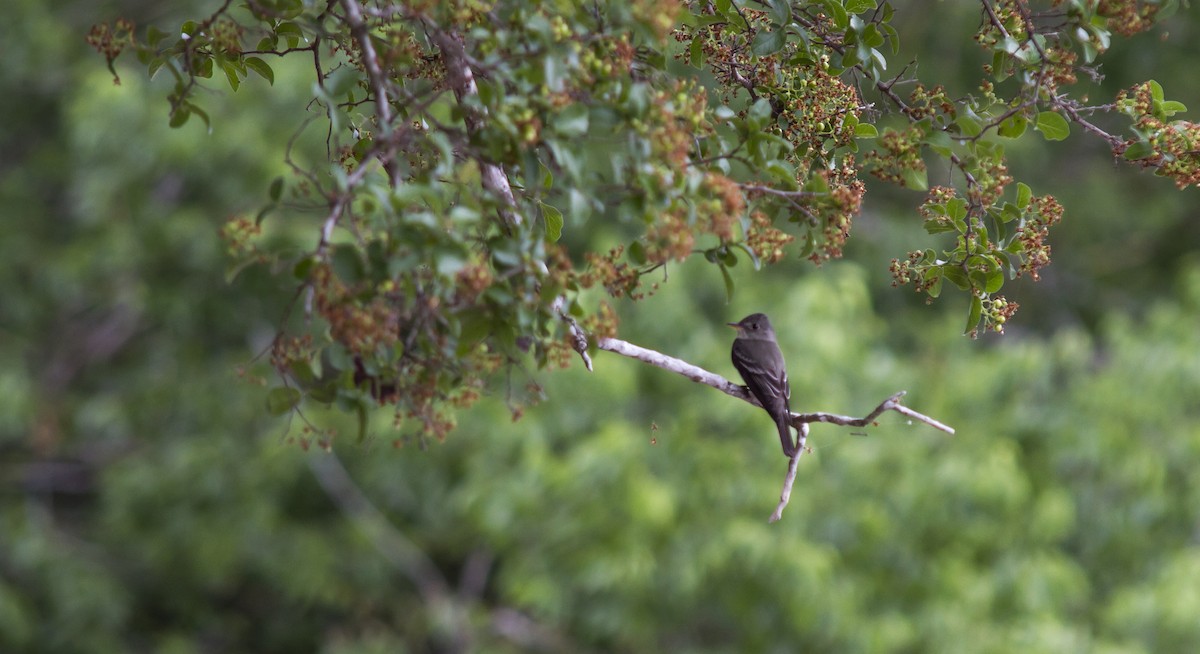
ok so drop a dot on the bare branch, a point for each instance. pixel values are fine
(800, 421)
(790, 478)
(677, 366)
(702, 376)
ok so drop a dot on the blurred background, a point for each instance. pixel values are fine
(148, 503)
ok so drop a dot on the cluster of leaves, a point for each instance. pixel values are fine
(469, 143)
(1035, 57)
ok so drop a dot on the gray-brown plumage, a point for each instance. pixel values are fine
(757, 357)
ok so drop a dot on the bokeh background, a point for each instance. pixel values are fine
(148, 503)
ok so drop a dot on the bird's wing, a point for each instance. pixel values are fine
(768, 385)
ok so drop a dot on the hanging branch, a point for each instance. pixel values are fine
(800, 421)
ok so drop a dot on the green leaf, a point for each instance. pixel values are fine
(859, 6)
(347, 265)
(572, 120)
(282, 399)
(767, 42)
(940, 142)
(933, 226)
(180, 116)
(1139, 150)
(975, 314)
(865, 131)
(202, 114)
(918, 180)
(728, 283)
(341, 81)
(999, 65)
(956, 276)
(231, 74)
(554, 222)
(696, 53)
(750, 253)
(1013, 126)
(780, 11)
(636, 252)
(782, 173)
(761, 109)
(303, 267)
(262, 68)
(1024, 195)
(995, 280)
(1172, 107)
(1156, 91)
(934, 279)
(968, 124)
(276, 189)
(1053, 126)
(837, 13)
(361, 411)
(291, 32)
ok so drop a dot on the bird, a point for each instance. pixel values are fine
(759, 361)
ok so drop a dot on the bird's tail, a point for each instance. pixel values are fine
(785, 435)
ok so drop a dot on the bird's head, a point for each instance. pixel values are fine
(754, 326)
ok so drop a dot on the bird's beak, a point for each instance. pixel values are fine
(734, 325)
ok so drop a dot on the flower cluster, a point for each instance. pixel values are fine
(821, 109)
(618, 277)
(898, 152)
(990, 175)
(678, 117)
(835, 210)
(998, 310)
(1129, 17)
(922, 270)
(764, 239)
(362, 327)
(1171, 144)
(111, 40)
(239, 234)
(1044, 212)
(927, 103)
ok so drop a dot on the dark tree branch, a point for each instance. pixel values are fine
(462, 81)
(394, 546)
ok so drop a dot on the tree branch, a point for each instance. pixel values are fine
(790, 478)
(462, 82)
(377, 79)
(394, 546)
(800, 421)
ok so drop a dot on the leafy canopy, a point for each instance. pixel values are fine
(476, 155)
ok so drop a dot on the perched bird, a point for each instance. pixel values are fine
(757, 358)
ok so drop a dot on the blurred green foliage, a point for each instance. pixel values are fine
(147, 503)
